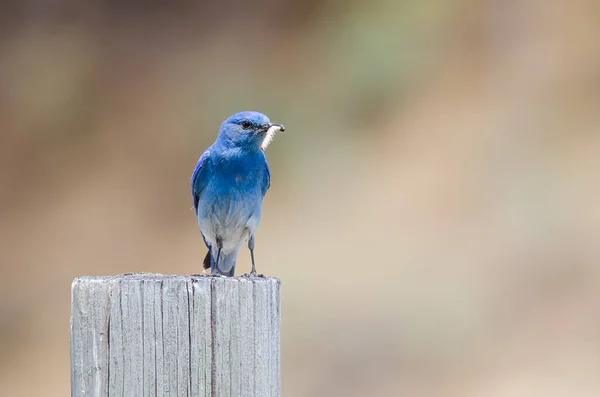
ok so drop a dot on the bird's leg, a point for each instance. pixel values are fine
(251, 248)
(215, 271)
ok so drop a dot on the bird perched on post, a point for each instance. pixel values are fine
(228, 185)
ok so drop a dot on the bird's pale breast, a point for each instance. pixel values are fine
(230, 208)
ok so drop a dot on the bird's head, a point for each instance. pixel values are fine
(246, 129)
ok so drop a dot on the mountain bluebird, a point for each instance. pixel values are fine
(228, 185)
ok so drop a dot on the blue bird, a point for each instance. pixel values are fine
(228, 185)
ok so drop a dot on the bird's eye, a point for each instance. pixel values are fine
(246, 124)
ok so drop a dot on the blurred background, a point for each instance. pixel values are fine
(433, 211)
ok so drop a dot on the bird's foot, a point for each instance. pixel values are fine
(253, 274)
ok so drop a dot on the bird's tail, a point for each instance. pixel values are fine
(206, 262)
(226, 265)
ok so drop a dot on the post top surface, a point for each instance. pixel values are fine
(174, 277)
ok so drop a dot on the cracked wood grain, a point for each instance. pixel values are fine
(162, 335)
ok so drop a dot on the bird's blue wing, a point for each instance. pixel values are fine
(266, 182)
(198, 181)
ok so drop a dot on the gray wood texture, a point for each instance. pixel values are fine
(163, 335)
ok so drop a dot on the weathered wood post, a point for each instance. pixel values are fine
(162, 335)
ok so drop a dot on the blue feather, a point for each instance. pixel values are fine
(198, 180)
(228, 185)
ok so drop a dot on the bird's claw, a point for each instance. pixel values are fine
(253, 274)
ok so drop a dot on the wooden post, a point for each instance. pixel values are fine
(162, 335)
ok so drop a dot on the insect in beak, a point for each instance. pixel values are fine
(270, 135)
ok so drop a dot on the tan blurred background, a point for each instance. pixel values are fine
(433, 213)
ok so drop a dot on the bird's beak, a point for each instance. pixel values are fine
(271, 130)
(280, 127)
